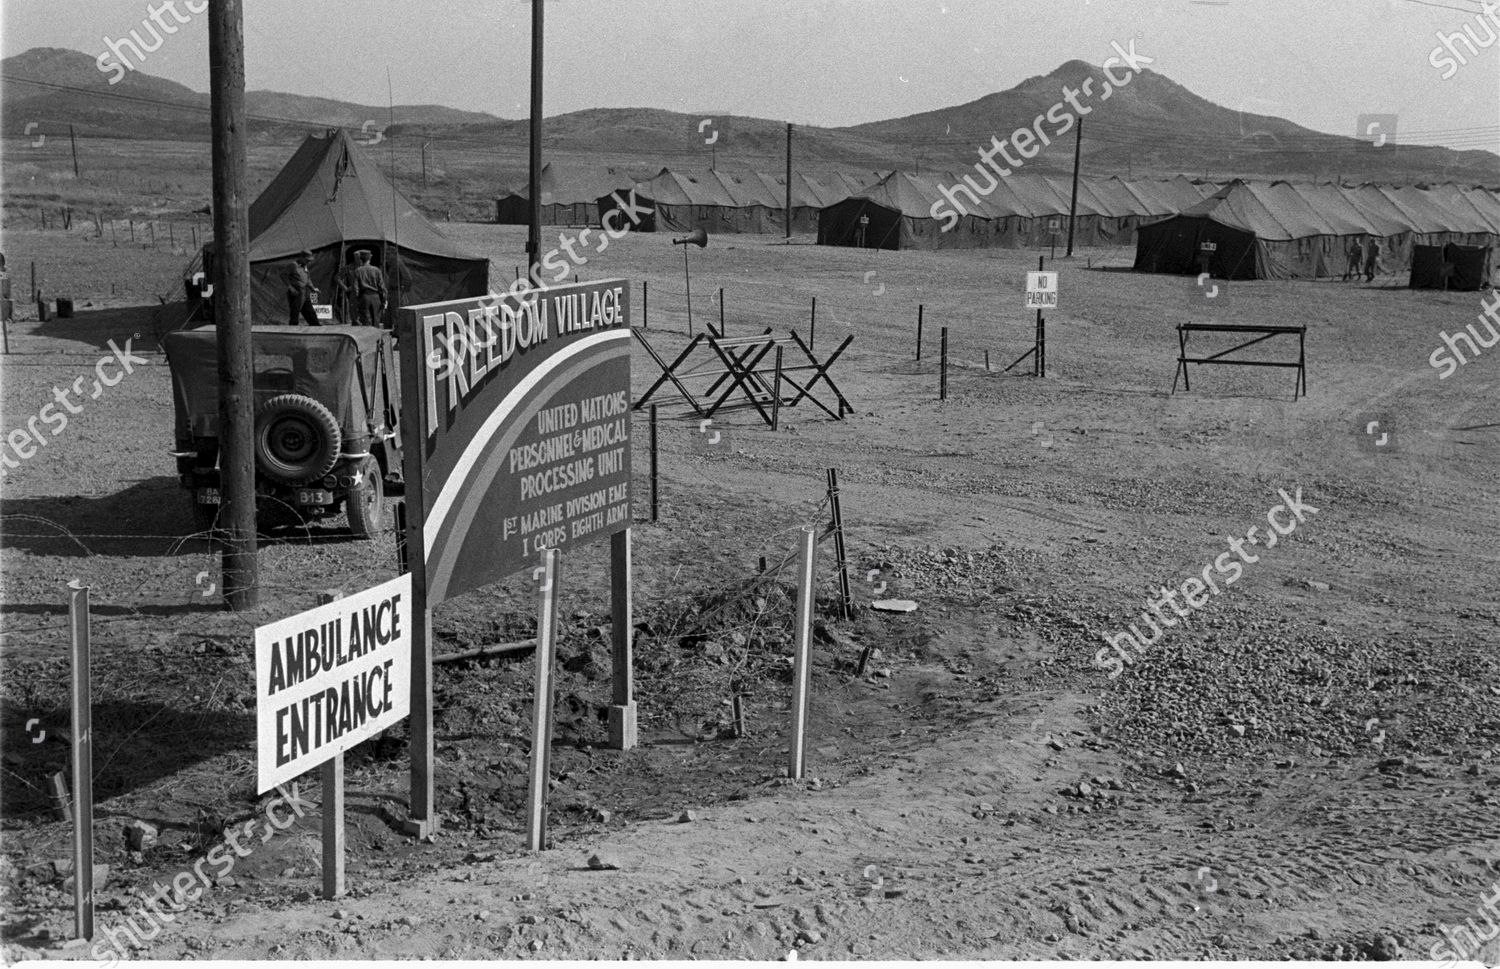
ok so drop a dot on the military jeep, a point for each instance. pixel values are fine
(327, 421)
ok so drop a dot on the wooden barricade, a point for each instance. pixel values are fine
(753, 366)
(1263, 333)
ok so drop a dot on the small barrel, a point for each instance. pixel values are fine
(64, 308)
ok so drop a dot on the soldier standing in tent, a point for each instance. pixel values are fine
(299, 291)
(344, 307)
(1372, 259)
(1356, 259)
(369, 289)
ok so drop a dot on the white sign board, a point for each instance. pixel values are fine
(1209, 246)
(324, 311)
(1041, 291)
(328, 678)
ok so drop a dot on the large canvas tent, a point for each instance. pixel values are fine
(735, 201)
(568, 198)
(331, 200)
(1281, 230)
(1023, 210)
(896, 213)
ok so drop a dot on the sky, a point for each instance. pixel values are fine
(1320, 63)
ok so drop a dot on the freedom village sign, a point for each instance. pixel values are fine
(522, 429)
(516, 423)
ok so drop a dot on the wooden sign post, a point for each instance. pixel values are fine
(540, 770)
(622, 710)
(325, 680)
(83, 764)
(801, 658)
(332, 777)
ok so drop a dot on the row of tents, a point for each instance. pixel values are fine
(1445, 234)
(1025, 210)
(331, 200)
(1254, 230)
(1260, 230)
(679, 201)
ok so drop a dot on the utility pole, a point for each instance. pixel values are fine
(1073, 206)
(789, 180)
(74, 142)
(226, 60)
(424, 164)
(534, 233)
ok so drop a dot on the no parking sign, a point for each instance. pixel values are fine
(1041, 291)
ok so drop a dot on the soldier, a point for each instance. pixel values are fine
(299, 291)
(1356, 259)
(369, 290)
(1372, 259)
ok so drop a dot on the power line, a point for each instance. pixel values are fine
(1443, 6)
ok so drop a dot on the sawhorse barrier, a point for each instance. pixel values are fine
(752, 365)
(1264, 333)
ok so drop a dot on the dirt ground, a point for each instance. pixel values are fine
(1305, 768)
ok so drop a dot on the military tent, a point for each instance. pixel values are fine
(1261, 231)
(331, 200)
(734, 201)
(757, 204)
(1284, 230)
(896, 213)
(568, 197)
(1450, 267)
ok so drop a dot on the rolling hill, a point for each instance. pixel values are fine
(1153, 126)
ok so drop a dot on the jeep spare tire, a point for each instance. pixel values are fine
(297, 439)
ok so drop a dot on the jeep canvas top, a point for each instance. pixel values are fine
(327, 419)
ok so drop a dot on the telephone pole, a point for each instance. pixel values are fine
(226, 59)
(789, 180)
(74, 143)
(534, 233)
(1073, 206)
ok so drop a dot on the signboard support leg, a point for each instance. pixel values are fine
(801, 659)
(83, 765)
(622, 712)
(1036, 347)
(332, 773)
(423, 821)
(920, 307)
(541, 718)
(1041, 342)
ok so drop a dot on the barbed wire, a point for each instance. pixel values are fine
(137, 599)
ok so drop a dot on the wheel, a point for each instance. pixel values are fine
(297, 439)
(365, 502)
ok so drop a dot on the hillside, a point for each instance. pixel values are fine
(54, 86)
(1153, 126)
